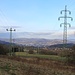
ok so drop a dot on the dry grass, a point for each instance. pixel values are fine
(33, 66)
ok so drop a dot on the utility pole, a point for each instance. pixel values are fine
(65, 17)
(10, 51)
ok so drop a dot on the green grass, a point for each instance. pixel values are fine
(52, 57)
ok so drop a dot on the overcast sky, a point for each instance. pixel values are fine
(36, 16)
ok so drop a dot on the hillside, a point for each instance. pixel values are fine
(4, 42)
(61, 45)
(37, 42)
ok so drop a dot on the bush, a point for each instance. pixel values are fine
(31, 52)
(73, 47)
(47, 52)
(69, 54)
(3, 50)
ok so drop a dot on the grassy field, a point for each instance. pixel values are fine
(51, 57)
(31, 66)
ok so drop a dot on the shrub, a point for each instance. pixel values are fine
(73, 47)
(47, 52)
(69, 54)
(3, 50)
(31, 52)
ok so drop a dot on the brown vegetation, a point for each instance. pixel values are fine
(34, 66)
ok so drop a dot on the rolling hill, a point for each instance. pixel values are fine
(37, 42)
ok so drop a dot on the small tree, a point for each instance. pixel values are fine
(31, 52)
(69, 54)
(3, 50)
(73, 47)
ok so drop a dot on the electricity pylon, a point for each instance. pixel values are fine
(10, 40)
(65, 17)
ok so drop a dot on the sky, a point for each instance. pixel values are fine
(35, 18)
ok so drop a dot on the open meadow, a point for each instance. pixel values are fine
(34, 65)
(51, 57)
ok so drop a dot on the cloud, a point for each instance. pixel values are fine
(46, 35)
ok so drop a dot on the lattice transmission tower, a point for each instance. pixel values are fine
(65, 23)
(10, 30)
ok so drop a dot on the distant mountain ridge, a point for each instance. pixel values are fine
(69, 45)
(36, 41)
(4, 42)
